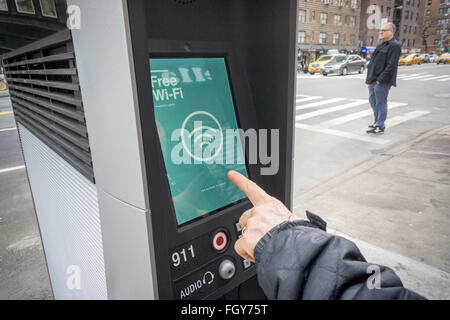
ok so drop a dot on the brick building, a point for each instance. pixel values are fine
(408, 18)
(328, 24)
(436, 26)
(370, 26)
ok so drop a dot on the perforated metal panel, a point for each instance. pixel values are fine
(46, 98)
(66, 206)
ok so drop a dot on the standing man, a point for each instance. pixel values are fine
(382, 74)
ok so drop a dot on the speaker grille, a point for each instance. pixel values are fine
(45, 94)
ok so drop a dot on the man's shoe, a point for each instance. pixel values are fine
(377, 129)
(371, 126)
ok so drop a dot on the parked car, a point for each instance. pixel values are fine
(410, 59)
(444, 58)
(3, 85)
(368, 60)
(317, 65)
(433, 57)
(343, 65)
(425, 57)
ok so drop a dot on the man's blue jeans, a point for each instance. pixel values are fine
(378, 94)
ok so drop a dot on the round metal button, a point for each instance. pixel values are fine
(227, 269)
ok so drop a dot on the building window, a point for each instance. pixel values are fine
(405, 28)
(371, 41)
(408, 2)
(430, 2)
(25, 6)
(340, 3)
(301, 37)
(352, 39)
(352, 21)
(323, 38)
(336, 38)
(3, 5)
(412, 4)
(427, 23)
(409, 29)
(417, 16)
(337, 19)
(415, 29)
(444, 10)
(302, 16)
(414, 43)
(323, 18)
(388, 12)
(354, 3)
(406, 14)
(48, 8)
(313, 15)
(428, 12)
(425, 33)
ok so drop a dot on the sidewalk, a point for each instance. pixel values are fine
(396, 208)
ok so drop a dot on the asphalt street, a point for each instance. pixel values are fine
(23, 271)
(388, 192)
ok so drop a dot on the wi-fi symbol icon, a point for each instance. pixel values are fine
(202, 136)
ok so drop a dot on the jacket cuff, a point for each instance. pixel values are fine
(314, 222)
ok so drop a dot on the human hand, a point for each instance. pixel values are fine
(267, 213)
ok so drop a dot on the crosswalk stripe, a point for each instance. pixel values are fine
(446, 79)
(8, 129)
(356, 115)
(308, 99)
(319, 103)
(433, 78)
(328, 110)
(302, 96)
(418, 77)
(390, 122)
(342, 134)
(403, 76)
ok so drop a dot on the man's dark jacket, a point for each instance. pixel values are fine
(384, 63)
(299, 260)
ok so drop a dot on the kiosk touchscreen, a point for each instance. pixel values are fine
(202, 108)
(198, 132)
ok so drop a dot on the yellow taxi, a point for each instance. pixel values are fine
(316, 66)
(410, 59)
(444, 58)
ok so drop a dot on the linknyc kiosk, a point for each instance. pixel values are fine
(149, 223)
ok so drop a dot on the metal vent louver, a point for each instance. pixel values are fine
(46, 98)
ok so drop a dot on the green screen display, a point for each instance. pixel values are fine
(198, 132)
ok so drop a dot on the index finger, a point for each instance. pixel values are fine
(254, 193)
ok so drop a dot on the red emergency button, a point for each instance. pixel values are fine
(220, 241)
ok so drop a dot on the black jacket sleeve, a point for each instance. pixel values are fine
(298, 260)
(391, 64)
